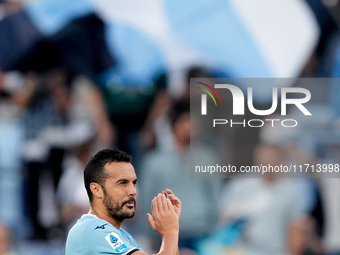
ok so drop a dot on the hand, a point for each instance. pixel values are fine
(176, 203)
(164, 219)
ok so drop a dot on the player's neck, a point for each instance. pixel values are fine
(102, 214)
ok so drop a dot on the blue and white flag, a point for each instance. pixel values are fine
(237, 38)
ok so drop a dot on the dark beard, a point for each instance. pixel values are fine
(114, 209)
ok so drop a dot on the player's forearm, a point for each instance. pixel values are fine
(169, 244)
(296, 237)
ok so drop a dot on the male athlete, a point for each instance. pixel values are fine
(110, 182)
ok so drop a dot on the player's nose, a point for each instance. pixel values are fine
(132, 191)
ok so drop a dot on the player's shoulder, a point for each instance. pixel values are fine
(93, 234)
(90, 229)
(96, 225)
(90, 226)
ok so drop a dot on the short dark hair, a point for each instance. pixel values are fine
(94, 169)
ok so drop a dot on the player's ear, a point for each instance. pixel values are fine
(97, 190)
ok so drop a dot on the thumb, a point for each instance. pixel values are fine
(151, 220)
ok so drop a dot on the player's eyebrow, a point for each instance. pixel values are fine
(122, 180)
(125, 180)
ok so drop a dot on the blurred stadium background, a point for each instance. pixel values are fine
(81, 75)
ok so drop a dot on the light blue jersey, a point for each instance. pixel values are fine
(92, 235)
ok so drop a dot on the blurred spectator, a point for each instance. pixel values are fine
(47, 100)
(261, 215)
(323, 59)
(11, 142)
(72, 197)
(59, 109)
(330, 193)
(8, 7)
(157, 131)
(88, 130)
(308, 189)
(5, 240)
(128, 107)
(310, 195)
(171, 168)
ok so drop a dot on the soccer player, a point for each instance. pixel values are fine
(110, 182)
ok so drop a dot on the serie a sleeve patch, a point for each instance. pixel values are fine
(115, 241)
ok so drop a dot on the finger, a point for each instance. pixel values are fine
(169, 205)
(165, 194)
(174, 199)
(163, 203)
(169, 191)
(151, 220)
(158, 203)
(172, 196)
(154, 207)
